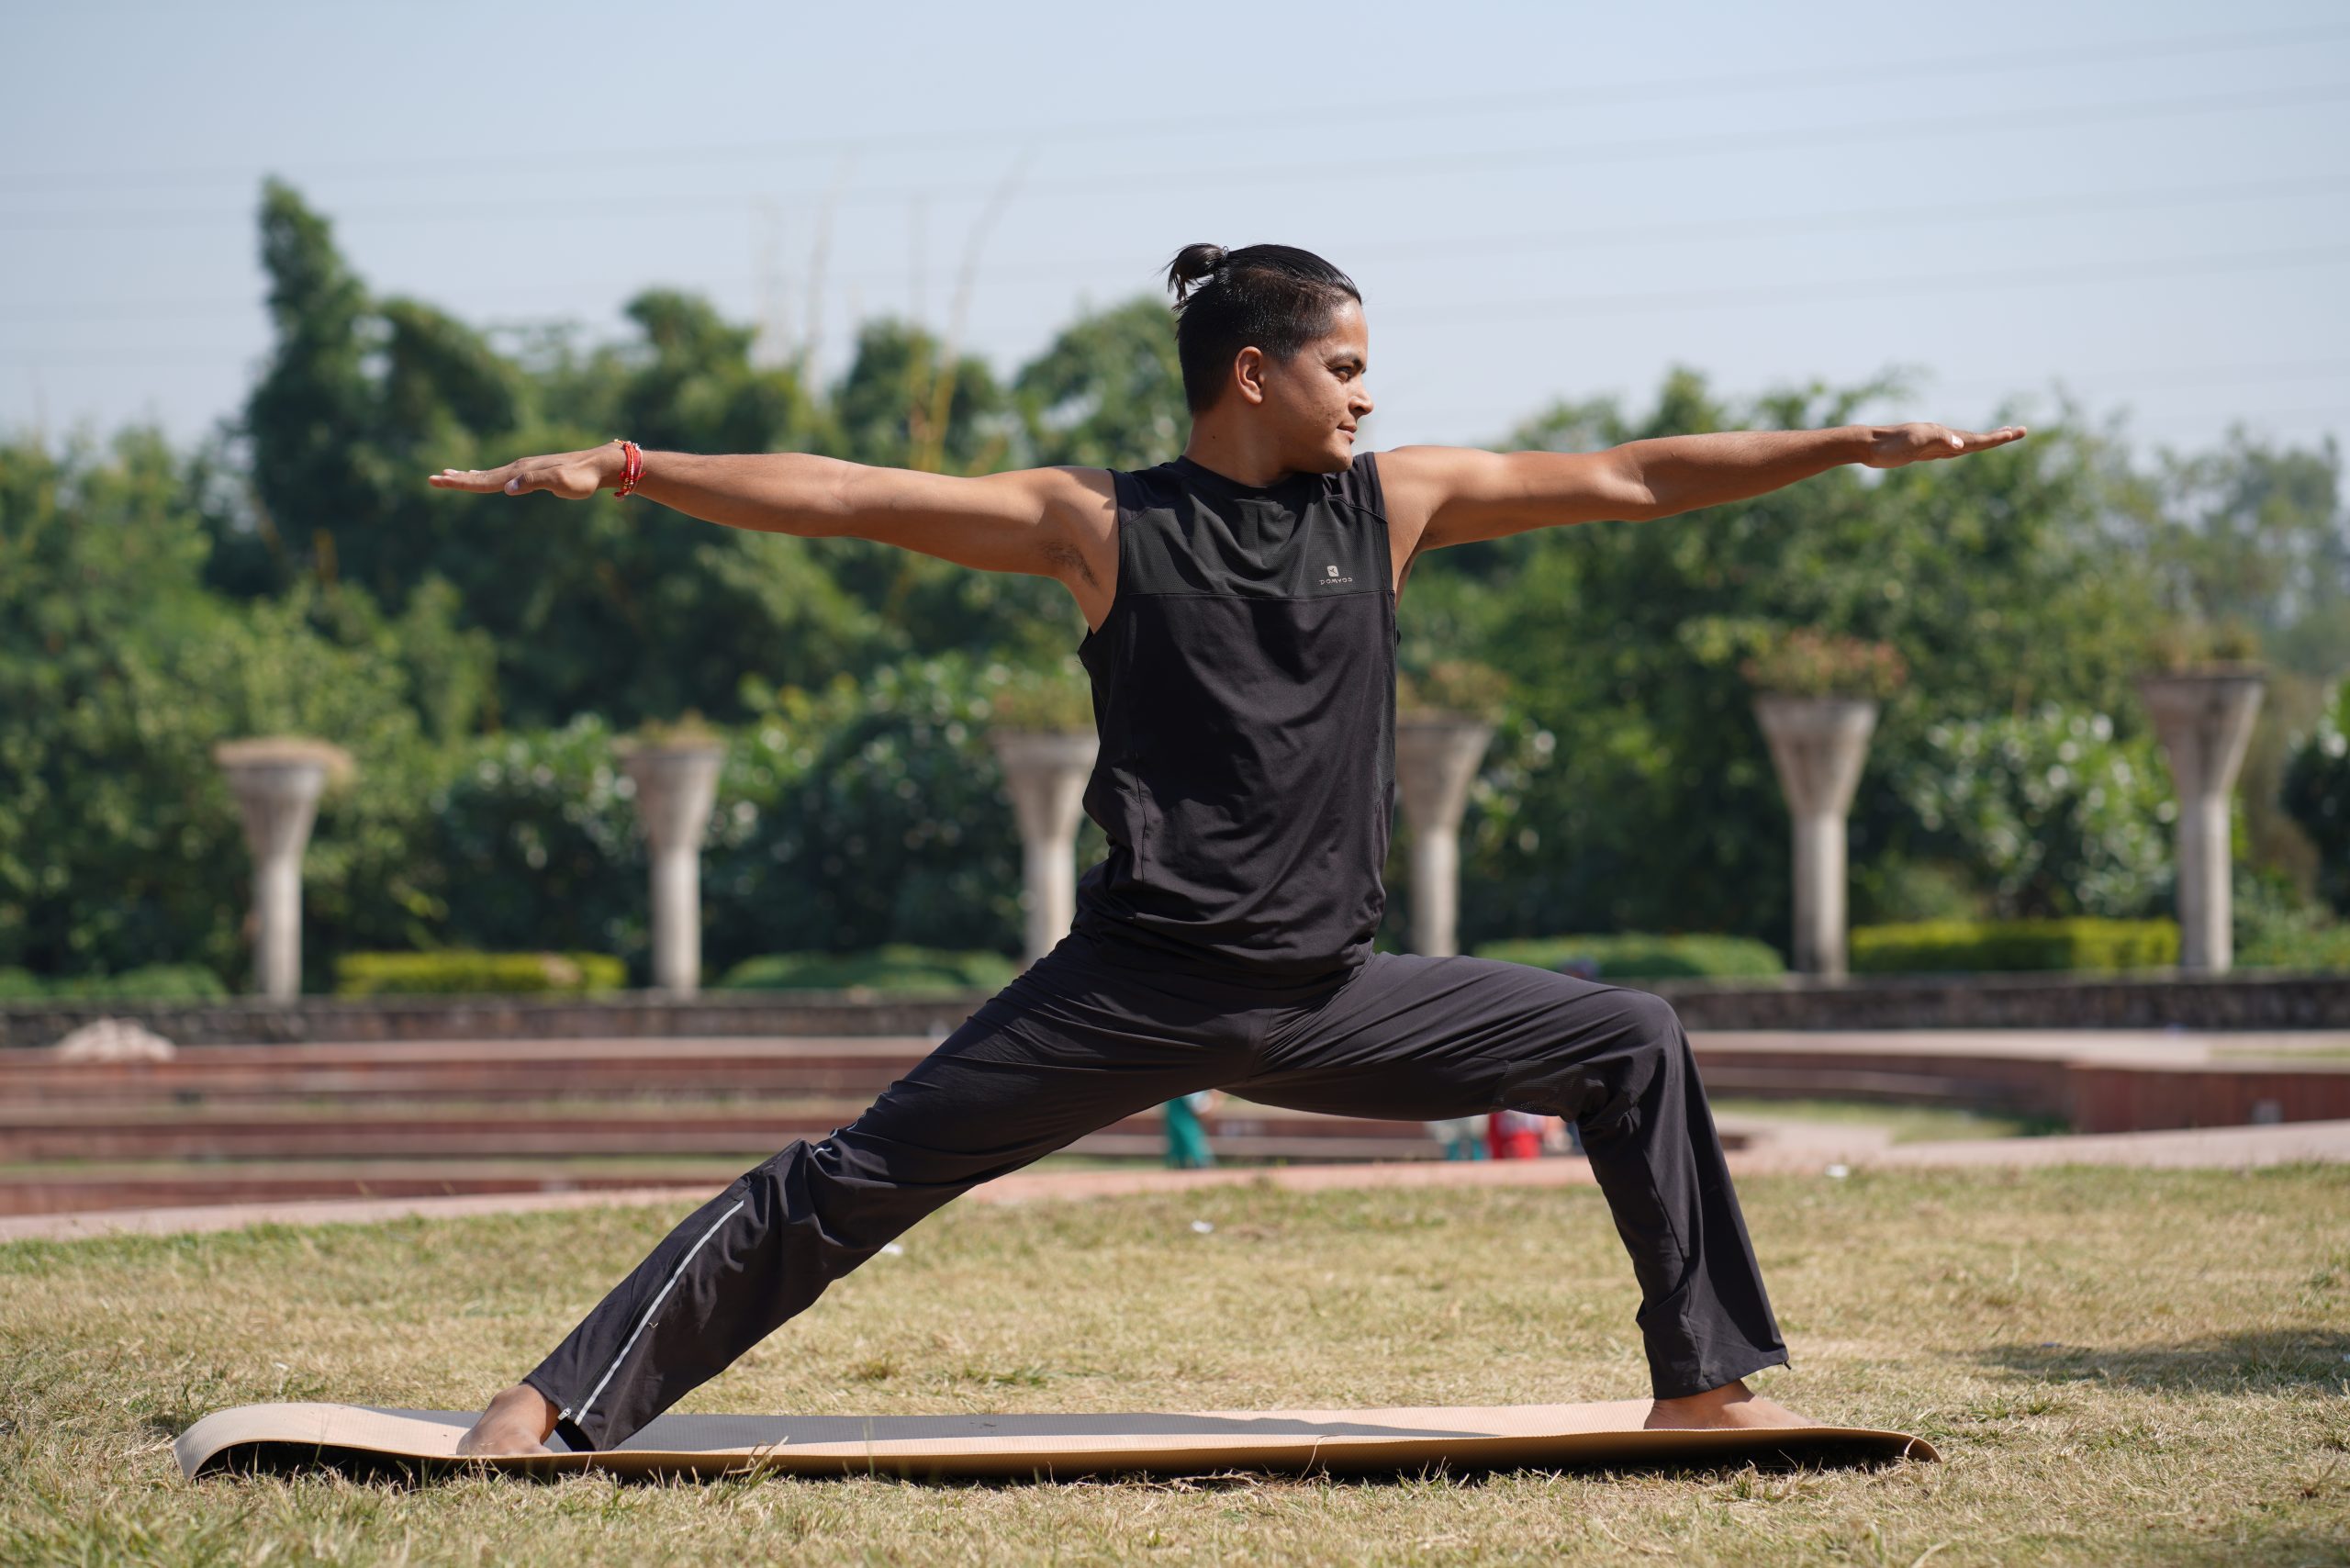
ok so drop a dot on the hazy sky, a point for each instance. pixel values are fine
(2134, 200)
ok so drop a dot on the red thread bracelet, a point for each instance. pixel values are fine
(631, 467)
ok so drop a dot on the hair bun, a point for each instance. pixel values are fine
(1193, 265)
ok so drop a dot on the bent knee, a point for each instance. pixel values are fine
(1650, 1020)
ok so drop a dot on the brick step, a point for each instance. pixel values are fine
(163, 1185)
(210, 1133)
(489, 1070)
(71, 1191)
(256, 1077)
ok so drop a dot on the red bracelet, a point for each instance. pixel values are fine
(631, 467)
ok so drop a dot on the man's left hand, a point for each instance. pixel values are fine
(1897, 446)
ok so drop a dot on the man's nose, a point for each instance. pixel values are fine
(1361, 402)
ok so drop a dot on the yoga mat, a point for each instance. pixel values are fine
(362, 1439)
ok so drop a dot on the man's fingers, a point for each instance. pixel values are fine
(1987, 440)
(479, 480)
(1948, 443)
(518, 477)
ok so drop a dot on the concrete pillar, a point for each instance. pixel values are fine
(1818, 744)
(1047, 770)
(1436, 759)
(2204, 721)
(676, 786)
(277, 781)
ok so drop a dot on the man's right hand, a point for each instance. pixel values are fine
(574, 475)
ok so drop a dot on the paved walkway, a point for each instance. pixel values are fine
(1780, 1147)
(2117, 1048)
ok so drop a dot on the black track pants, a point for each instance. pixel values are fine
(1077, 1043)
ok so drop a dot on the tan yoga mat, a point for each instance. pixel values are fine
(359, 1437)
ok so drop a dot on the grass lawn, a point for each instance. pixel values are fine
(1909, 1124)
(2120, 1367)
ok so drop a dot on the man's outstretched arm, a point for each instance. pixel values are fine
(1450, 494)
(1051, 522)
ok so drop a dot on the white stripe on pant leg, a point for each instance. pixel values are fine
(649, 1311)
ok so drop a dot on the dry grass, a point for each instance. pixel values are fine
(1908, 1124)
(2120, 1366)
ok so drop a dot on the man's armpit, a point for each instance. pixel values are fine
(1062, 556)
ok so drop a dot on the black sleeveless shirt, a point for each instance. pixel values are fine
(1244, 686)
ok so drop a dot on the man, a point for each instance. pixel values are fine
(1240, 606)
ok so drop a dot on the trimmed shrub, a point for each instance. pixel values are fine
(2275, 928)
(149, 982)
(2308, 946)
(459, 972)
(1941, 947)
(897, 967)
(1631, 955)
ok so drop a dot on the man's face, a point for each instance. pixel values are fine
(1316, 399)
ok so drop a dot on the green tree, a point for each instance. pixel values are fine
(119, 845)
(1659, 809)
(905, 404)
(363, 400)
(2317, 793)
(1108, 391)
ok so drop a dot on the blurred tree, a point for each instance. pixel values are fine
(2056, 816)
(2255, 536)
(119, 845)
(296, 571)
(902, 405)
(361, 401)
(2317, 793)
(1108, 391)
(1658, 810)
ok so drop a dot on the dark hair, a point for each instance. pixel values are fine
(1277, 298)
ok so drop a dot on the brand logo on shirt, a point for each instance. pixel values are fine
(1333, 579)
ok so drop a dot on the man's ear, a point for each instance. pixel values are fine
(1248, 371)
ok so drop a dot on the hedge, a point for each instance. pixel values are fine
(896, 967)
(1631, 955)
(460, 972)
(150, 983)
(1936, 946)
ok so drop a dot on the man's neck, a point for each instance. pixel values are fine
(1242, 461)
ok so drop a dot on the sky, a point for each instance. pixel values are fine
(2131, 204)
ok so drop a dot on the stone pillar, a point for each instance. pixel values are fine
(277, 781)
(2204, 720)
(1435, 759)
(1818, 744)
(676, 786)
(1047, 770)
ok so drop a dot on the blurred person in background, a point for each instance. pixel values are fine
(1187, 1134)
(1515, 1135)
(1463, 1138)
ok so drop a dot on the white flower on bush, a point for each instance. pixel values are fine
(2061, 818)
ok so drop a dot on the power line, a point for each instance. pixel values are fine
(1052, 269)
(1131, 184)
(2138, 378)
(1128, 127)
(1765, 294)
(1850, 289)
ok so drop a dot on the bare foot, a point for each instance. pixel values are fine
(1733, 1405)
(517, 1421)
